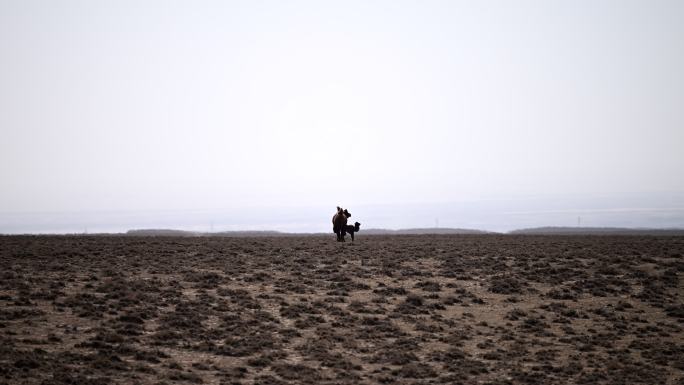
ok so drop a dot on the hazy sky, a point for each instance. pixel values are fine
(132, 105)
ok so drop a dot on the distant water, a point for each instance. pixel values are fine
(626, 210)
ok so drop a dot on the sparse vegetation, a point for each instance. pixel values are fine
(498, 309)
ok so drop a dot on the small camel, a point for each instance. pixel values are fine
(353, 229)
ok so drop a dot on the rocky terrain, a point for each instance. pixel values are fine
(428, 309)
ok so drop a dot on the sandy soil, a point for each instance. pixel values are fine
(387, 309)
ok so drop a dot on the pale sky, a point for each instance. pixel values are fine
(168, 105)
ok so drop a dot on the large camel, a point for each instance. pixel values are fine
(339, 221)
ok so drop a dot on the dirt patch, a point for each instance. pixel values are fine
(307, 310)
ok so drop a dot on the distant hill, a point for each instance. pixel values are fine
(419, 231)
(183, 233)
(416, 231)
(161, 232)
(596, 231)
(255, 233)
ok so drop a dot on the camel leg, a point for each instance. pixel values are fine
(352, 235)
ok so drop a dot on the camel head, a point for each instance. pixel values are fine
(357, 226)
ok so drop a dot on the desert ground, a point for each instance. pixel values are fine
(470, 309)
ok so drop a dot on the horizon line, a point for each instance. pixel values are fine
(418, 230)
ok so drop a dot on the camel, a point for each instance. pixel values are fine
(351, 229)
(339, 221)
